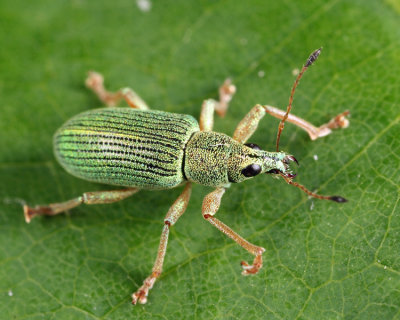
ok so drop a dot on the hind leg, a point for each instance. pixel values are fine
(97, 197)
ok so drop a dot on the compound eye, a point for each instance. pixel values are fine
(251, 170)
(252, 146)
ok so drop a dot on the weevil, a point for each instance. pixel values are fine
(141, 149)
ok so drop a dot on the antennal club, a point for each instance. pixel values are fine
(311, 59)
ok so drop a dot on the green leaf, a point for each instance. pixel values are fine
(323, 260)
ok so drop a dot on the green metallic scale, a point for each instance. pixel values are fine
(126, 147)
(137, 148)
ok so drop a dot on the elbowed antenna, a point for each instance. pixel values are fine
(311, 59)
(289, 176)
(310, 193)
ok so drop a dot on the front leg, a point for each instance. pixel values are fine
(249, 124)
(210, 207)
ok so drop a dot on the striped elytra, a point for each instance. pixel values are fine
(126, 147)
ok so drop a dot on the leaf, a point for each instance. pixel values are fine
(323, 260)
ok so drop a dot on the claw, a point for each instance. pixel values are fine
(226, 92)
(141, 294)
(252, 269)
(94, 79)
(27, 214)
(340, 121)
(30, 213)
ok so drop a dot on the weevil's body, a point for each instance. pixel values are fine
(126, 147)
(152, 150)
(143, 149)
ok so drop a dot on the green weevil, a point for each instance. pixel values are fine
(138, 148)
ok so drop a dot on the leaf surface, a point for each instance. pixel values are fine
(323, 260)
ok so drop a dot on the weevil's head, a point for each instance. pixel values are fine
(248, 160)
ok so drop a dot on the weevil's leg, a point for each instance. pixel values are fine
(226, 92)
(95, 82)
(96, 197)
(340, 121)
(248, 125)
(174, 212)
(210, 207)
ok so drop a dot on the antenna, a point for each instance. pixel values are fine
(313, 194)
(311, 59)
